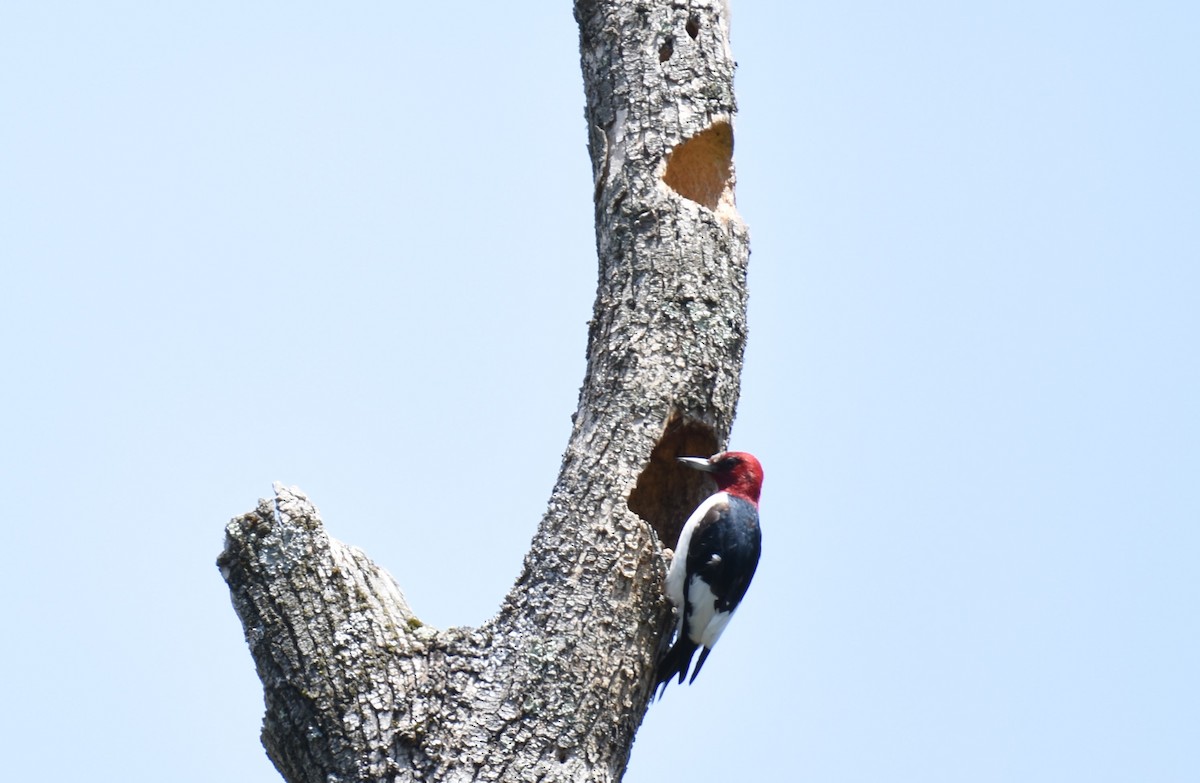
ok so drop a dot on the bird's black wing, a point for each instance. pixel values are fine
(724, 552)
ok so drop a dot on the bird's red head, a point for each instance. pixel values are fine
(736, 472)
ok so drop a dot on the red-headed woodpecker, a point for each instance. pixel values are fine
(714, 561)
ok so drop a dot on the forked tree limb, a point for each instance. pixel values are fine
(553, 687)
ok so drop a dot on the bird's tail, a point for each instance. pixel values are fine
(699, 662)
(677, 661)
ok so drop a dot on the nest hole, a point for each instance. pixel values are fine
(667, 492)
(701, 168)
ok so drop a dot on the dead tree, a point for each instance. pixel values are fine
(554, 686)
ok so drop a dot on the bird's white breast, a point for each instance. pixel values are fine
(677, 573)
(705, 623)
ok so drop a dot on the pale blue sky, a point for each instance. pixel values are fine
(350, 248)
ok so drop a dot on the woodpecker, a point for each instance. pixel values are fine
(714, 561)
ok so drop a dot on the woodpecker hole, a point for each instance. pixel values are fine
(667, 492)
(667, 49)
(701, 168)
(693, 26)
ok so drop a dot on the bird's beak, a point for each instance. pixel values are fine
(697, 463)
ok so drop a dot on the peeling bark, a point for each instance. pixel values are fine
(553, 687)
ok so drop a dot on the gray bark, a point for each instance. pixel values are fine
(554, 686)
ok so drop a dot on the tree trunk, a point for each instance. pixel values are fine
(554, 687)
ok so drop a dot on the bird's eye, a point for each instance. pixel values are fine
(729, 463)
